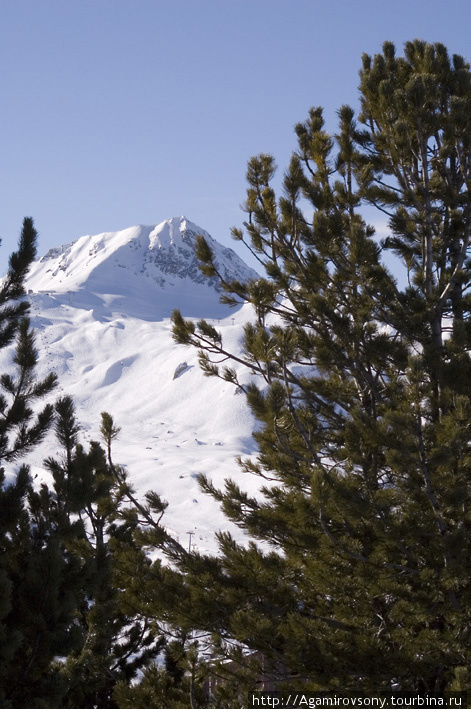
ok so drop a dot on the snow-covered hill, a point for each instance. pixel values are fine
(100, 307)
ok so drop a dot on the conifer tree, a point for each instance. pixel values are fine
(33, 574)
(358, 575)
(93, 494)
(20, 428)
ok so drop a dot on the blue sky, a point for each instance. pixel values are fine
(120, 112)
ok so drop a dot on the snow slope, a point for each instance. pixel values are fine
(100, 307)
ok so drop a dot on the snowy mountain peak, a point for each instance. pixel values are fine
(172, 232)
(100, 308)
(139, 268)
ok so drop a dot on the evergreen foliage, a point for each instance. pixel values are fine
(358, 575)
(114, 641)
(34, 577)
(20, 428)
(69, 634)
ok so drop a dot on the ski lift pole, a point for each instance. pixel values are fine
(189, 542)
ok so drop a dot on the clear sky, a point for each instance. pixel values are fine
(123, 112)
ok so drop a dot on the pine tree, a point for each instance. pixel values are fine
(20, 428)
(33, 617)
(93, 495)
(358, 575)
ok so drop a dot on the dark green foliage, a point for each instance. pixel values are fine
(115, 642)
(359, 577)
(68, 633)
(37, 583)
(12, 308)
(44, 585)
(178, 684)
(20, 427)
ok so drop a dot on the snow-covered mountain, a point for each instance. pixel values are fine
(145, 271)
(100, 307)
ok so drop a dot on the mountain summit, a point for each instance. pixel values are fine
(139, 268)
